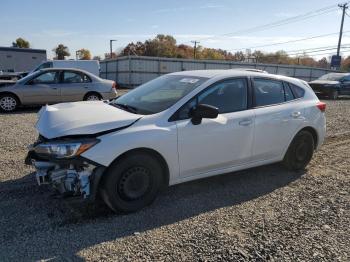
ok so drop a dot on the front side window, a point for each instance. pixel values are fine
(228, 96)
(158, 94)
(268, 92)
(46, 78)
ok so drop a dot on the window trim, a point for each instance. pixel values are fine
(276, 104)
(174, 117)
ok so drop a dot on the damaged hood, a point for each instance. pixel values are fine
(81, 118)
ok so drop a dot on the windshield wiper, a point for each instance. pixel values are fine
(126, 107)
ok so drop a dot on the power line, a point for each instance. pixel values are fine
(290, 41)
(294, 19)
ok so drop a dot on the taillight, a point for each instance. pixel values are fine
(321, 106)
(114, 85)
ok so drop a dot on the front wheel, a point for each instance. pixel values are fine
(300, 151)
(132, 183)
(92, 97)
(8, 103)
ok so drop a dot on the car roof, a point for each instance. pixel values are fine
(232, 73)
(69, 69)
(64, 69)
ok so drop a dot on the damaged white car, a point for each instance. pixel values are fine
(179, 127)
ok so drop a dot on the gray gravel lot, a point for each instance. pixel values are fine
(260, 214)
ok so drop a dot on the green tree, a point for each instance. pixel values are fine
(84, 54)
(21, 43)
(61, 52)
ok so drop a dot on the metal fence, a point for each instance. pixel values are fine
(131, 71)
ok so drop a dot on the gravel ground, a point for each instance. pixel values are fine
(260, 214)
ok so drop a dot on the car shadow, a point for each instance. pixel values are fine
(40, 226)
(23, 110)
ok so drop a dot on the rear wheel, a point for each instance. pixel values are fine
(132, 183)
(334, 95)
(8, 103)
(300, 151)
(92, 97)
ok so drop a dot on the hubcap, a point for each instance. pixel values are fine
(8, 103)
(92, 98)
(134, 183)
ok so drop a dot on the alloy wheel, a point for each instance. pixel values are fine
(92, 98)
(8, 103)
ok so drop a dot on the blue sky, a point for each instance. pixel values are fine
(91, 23)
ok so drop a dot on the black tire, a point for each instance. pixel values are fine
(334, 95)
(132, 183)
(300, 151)
(8, 103)
(93, 96)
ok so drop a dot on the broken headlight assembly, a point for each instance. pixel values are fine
(64, 149)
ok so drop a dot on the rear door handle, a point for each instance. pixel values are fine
(245, 122)
(296, 114)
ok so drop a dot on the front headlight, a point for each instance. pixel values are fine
(64, 149)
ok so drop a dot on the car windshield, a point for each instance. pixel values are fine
(158, 94)
(332, 77)
(26, 78)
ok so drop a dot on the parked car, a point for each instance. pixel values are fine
(12, 76)
(176, 128)
(49, 86)
(332, 85)
(92, 66)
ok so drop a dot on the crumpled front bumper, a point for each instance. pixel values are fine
(76, 177)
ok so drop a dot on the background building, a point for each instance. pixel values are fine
(13, 59)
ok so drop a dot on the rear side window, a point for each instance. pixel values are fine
(288, 93)
(268, 92)
(297, 90)
(75, 77)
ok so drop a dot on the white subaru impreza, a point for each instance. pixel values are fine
(176, 128)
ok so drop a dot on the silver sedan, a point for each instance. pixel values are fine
(55, 85)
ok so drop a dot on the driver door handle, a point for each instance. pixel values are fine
(245, 122)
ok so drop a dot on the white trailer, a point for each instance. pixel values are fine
(92, 66)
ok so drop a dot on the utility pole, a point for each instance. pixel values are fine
(194, 48)
(344, 7)
(110, 47)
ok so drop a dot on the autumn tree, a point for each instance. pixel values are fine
(21, 43)
(161, 45)
(84, 54)
(108, 55)
(138, 49)
(61, 52)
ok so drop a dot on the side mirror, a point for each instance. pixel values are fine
(203, 111)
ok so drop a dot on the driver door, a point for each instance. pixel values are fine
(43, 89)
(223, 142)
